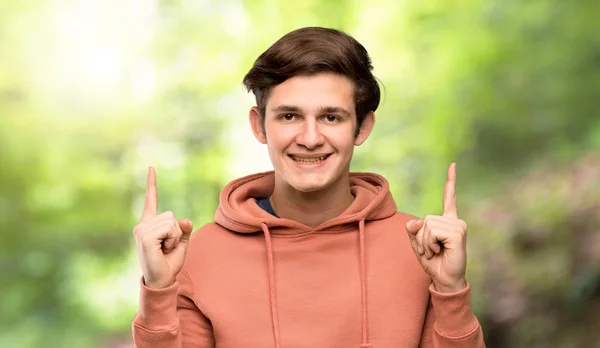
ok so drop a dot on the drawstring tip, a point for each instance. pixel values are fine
(366, 345)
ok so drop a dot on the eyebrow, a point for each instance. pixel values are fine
(286, 108)
(325, 109)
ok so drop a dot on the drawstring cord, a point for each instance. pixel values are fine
(272, 289)
(363, 286)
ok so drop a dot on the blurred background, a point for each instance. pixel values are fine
(92, 92)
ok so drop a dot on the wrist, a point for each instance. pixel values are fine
(157, 285)
(450, 288)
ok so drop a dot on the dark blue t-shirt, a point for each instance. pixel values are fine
(265, 204)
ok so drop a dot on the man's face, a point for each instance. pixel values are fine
(309, 129)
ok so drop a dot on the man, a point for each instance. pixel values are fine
(309, 255)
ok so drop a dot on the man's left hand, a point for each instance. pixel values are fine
(440, 242)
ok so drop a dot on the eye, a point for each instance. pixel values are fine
(288, 117)
(331, 118)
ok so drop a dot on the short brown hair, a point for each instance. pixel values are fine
(313, 50)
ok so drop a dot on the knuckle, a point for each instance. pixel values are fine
(137, 230)
(461, 225)
(170, 213)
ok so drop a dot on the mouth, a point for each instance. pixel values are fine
(309, 160)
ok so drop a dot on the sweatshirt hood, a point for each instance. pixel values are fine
(238, 211)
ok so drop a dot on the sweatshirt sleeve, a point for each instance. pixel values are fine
(450, 322)
(169, 318)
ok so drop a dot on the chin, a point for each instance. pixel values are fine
(308, 187)
(310, 183)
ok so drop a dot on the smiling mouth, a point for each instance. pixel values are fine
(309, 160)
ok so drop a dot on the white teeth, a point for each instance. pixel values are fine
(309, 160)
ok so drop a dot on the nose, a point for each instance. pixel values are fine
(310, 135)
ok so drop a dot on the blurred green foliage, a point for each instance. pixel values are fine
(91, 93)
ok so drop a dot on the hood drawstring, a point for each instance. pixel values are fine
(272, 289)
(363, 286)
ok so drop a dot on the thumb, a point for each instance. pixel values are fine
(413, 227)
(186, 227)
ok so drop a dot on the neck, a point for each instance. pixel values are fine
(312, 208)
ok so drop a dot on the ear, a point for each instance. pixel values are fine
(365, 129)
(256, 123)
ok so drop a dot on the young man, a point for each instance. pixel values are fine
(309, 255)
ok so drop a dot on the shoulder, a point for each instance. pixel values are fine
(392, 230)
(213, 239)
(209, 233)
(208, 244)
(395, 220)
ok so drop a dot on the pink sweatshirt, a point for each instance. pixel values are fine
(252, 280)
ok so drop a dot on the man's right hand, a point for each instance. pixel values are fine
(161, 239)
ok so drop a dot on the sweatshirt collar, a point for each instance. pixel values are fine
(238, 211)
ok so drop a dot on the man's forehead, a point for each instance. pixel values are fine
(320, 87)
(310, 101)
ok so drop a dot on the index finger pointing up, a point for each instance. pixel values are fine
(151, 201)
(450, 192)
